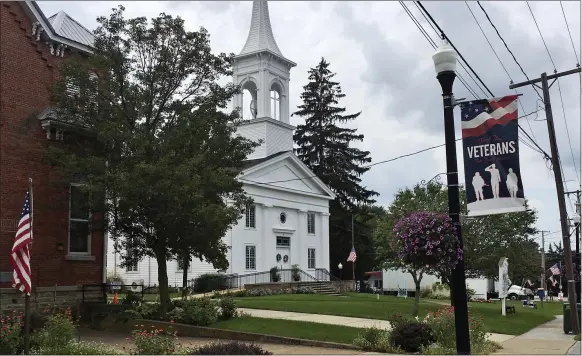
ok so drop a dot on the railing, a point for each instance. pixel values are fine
(104, 289)
(284, 276)
(322, 274)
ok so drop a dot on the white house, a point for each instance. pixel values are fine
(289, 220)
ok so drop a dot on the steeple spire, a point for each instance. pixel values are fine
(260, 34)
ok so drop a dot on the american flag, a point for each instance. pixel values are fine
(529, 283)
(352, 256)
(481, 115)
(20, 256)
(555, 269)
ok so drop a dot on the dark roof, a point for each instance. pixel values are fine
(253, 162)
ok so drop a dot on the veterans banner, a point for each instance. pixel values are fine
(491, 155)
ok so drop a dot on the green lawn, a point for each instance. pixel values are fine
(291, 328)
(367, 306)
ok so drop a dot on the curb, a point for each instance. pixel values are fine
(205, 332)
(575, 349)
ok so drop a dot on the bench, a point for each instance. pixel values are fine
(494, 299)
(510, 309)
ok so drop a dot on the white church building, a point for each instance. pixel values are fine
(288, 223)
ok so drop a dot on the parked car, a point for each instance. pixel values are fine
(516, 292)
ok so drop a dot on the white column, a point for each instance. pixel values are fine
(303, 238)
(264, 250)
(264, 95)
(324, 243)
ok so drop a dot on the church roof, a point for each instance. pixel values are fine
(253, 162)
(65, 26)
(260, 34)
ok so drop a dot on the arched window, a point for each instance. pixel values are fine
(276, 101)
(249, 101)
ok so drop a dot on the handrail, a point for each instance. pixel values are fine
(319, 272)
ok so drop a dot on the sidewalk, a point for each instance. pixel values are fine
(339, 320)
(546, 339)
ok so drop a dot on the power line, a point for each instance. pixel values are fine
(570, 34)
(500, 62)
(476, 75)
(540, 32)
(380, 162)
(434, 45)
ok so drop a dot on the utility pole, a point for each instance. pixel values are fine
(576, 222)
(543, 276)
(559, 187)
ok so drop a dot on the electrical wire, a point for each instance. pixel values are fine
(570, 34)
(379, 162)
(500, 62)
(540, 32)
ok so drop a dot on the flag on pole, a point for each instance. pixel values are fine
(555, 269)
(20, 256)
(553, 281)
(529, 283)
(352, 256)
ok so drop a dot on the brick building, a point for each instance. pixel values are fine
(68, 250)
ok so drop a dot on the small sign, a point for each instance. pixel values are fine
(115, 285)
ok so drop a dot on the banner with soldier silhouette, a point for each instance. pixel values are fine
(491, 154)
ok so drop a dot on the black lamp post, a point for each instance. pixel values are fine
(576, 221)
(445, 62)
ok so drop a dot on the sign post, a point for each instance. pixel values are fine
(503, 282)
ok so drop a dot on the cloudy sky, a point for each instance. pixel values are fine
(384, 65)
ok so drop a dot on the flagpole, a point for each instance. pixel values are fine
(27, 295)
(353, 262)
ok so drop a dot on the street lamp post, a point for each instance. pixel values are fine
(445, 62)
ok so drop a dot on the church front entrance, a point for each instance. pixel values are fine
(284, 257)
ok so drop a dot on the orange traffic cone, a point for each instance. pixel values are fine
(115, 301)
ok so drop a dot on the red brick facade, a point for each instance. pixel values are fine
(27, 69)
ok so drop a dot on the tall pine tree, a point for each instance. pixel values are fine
(325, 147)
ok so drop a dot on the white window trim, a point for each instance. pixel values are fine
(314, 258)
(69, 252)
(254, 217)
(255, 247)
(136, 266)
(314, 223)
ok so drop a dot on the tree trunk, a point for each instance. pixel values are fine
(186, 265)
(416, 300)
(163, 280)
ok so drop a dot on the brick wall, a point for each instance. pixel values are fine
(27, 70)
(68, 296)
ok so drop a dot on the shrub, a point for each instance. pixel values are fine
(132, 299)
(370, 339)
(11, 340)
(303, 290)
(154, 341)
(227, 308)
(209, 282)
(442, 323)
(411, 337)
(398, 319)
(59, 330)
(230, 348)
(426, 292)
(470, 293)
(177, 314)
(275, 275)
(200, 312)
(149, 311)
(295, 274)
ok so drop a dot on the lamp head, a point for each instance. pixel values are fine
(340, 266)
(576, 219)
(445, 58)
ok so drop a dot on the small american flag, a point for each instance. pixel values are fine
(481, 115)
(352, 256)
(553, 282)
(529, 283)
(20, 256)
(555, 269)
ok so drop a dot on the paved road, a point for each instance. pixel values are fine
(119, 341)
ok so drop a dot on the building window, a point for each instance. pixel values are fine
(251, 258)
(250, 216)
(79, 215)
(275, 105)
(311, 223)
(131, 251)
(283, 241)
(378, 284)
(311, 258)
(283, 218)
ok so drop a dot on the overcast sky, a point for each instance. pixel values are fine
(384, 65)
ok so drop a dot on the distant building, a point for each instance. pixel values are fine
(289, 221)
(69, 244)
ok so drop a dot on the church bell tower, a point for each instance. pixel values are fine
(262, 69)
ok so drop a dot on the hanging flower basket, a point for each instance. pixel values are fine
(428, 239)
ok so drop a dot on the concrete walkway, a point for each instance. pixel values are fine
(119, 341)
(546, 339)
(574, 350)
(339, 320)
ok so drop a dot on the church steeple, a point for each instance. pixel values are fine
(260, 34)
(261, 69)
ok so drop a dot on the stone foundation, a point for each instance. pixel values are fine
(66, 296)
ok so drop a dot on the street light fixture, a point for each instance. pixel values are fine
(445, 63)
(576, 219)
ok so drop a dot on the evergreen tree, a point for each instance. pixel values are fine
(325, 147)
